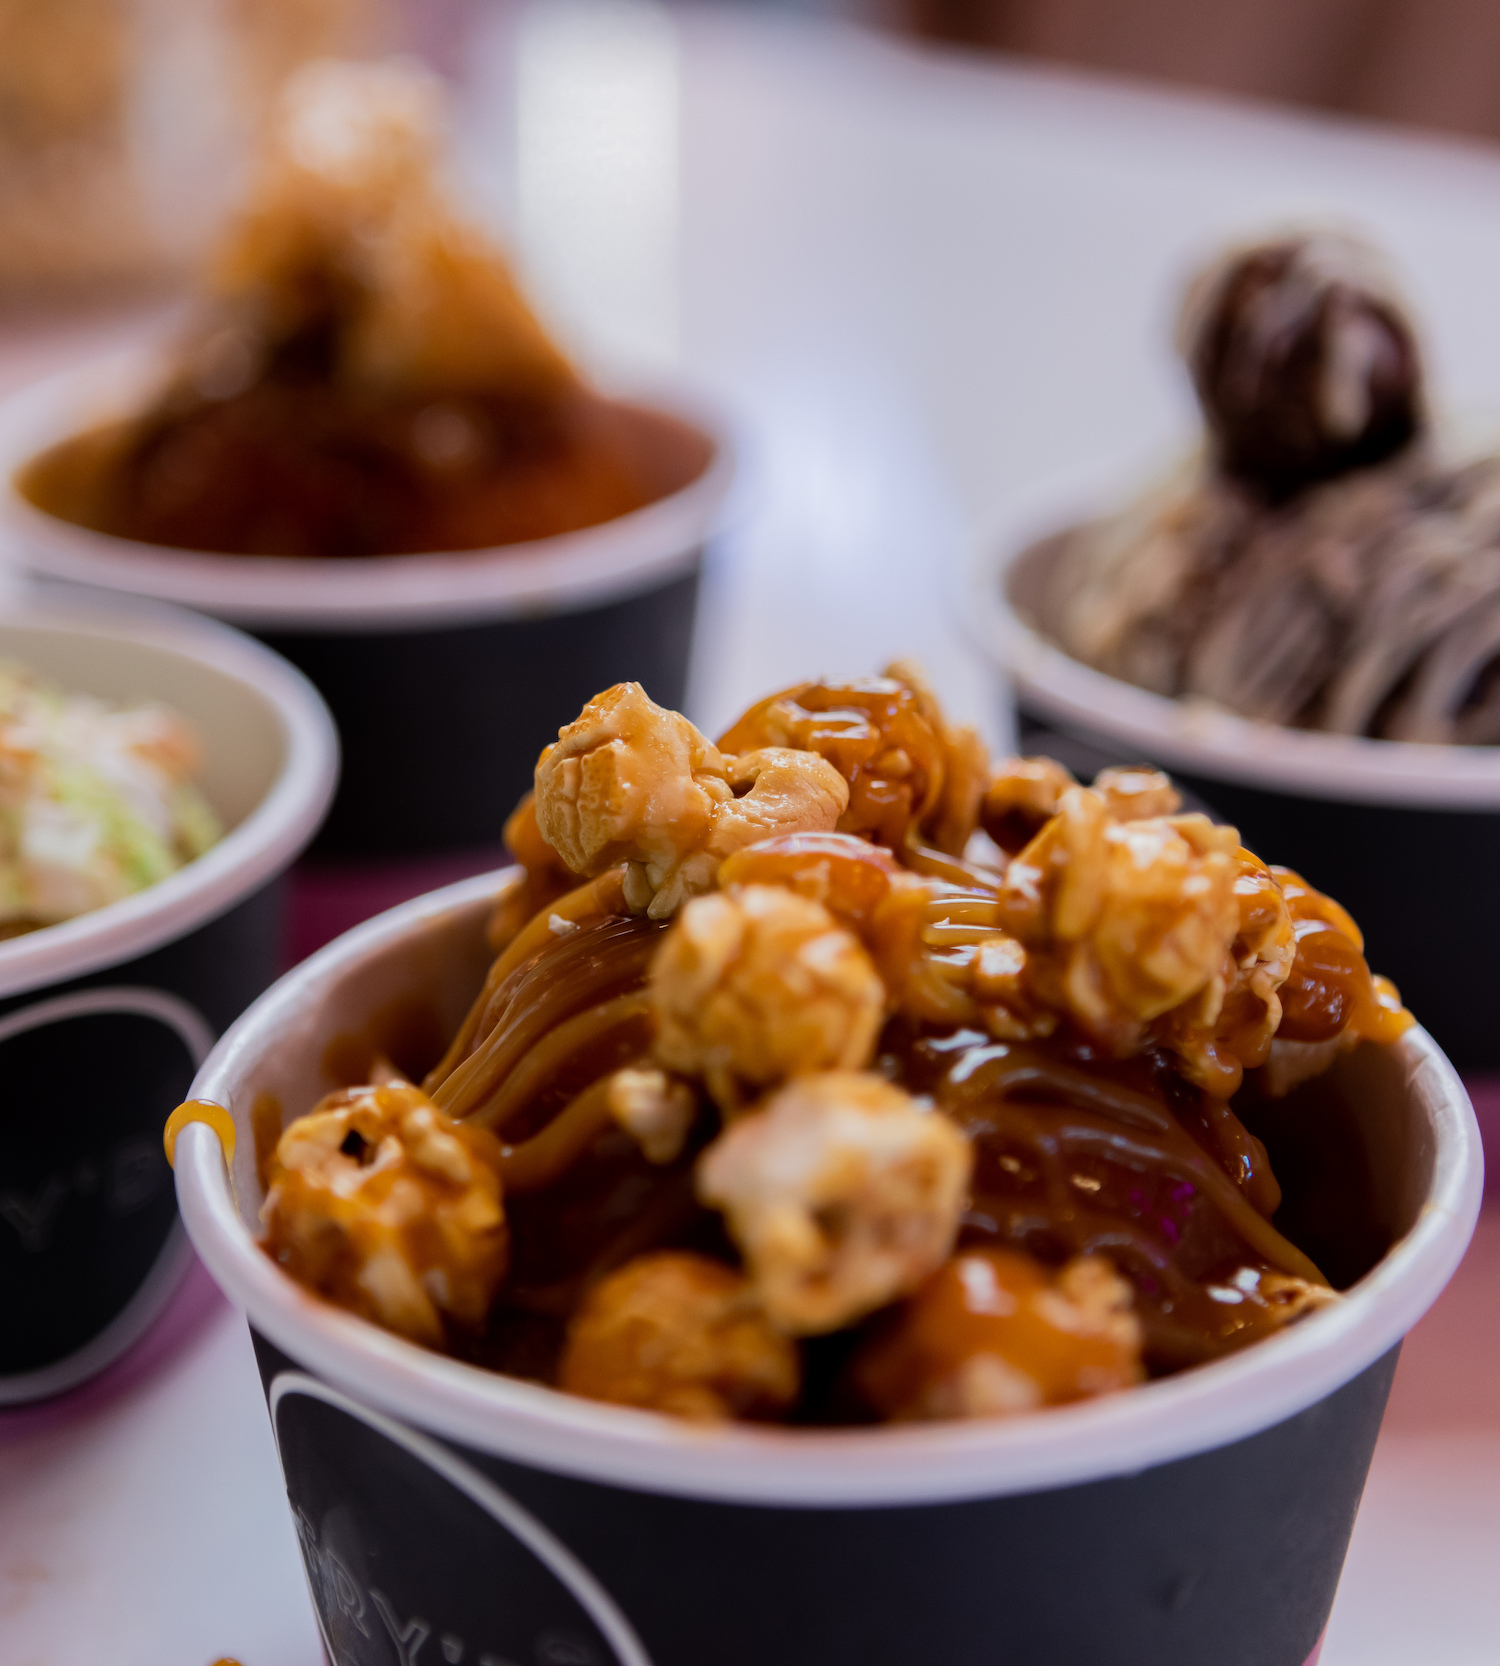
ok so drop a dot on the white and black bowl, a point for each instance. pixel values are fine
(1202, 1518)
(1405, 835)
(445, 672)
(105, 1018)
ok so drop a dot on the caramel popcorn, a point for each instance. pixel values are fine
(1230, 1026)
(1021, 798)
(1023, 794)
(966, 764)
(1133, 792)
(754, 985)
(860, 884)
(874, 735)
(654, 1110)
(843, 1193)
(994, 1333)
(631, 782)
(628, 781)
(1125, 921)
(681, 1334)
(388, 1207)
(777, 792)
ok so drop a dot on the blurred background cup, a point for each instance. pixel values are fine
(105, 1018)
(445, 672)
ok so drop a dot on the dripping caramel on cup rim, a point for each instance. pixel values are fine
(1194, 1411)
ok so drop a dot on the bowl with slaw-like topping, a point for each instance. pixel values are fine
(157, 775)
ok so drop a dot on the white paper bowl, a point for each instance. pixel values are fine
(100, 1014)
(1038, 1486)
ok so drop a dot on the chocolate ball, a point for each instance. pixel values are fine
(1304, 363)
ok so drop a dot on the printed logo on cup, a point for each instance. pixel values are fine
(86, 1199)
(415, 1558)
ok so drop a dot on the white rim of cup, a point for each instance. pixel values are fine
(564, 573)
(260, 847)
(1175, 1417)
(1194, 735)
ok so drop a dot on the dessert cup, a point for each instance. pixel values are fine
(1204, 1517)
(1402, 833)
(442, 670)
(104, 1018)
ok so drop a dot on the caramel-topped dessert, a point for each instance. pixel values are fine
(835, 1074)
(363, 376)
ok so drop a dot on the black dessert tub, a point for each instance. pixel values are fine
(1202, 1519)
(444, 671)
(105, 1018)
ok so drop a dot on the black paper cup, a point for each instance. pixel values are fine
(104, 1019)
(1402, 834)
(445, 672)
(1203, 1518)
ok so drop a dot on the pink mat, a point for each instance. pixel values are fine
(197, 1299)
(327, 898)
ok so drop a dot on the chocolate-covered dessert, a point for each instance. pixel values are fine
(1323, 562)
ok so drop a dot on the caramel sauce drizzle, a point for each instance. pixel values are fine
(1078, 1153)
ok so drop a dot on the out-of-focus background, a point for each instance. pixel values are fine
(1433, 63)
(123, 123)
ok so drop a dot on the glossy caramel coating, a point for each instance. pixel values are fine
(842, 1192)
(994, 1333)
(1021, 798)
(680, 1334)
(874, 734)
(1079, 1154)
(383, 1204)
(861, 885)
(755, 985)
(1161, 929)
(1023, 795)
(1331, 990)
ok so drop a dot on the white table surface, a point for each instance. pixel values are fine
(923, 285)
